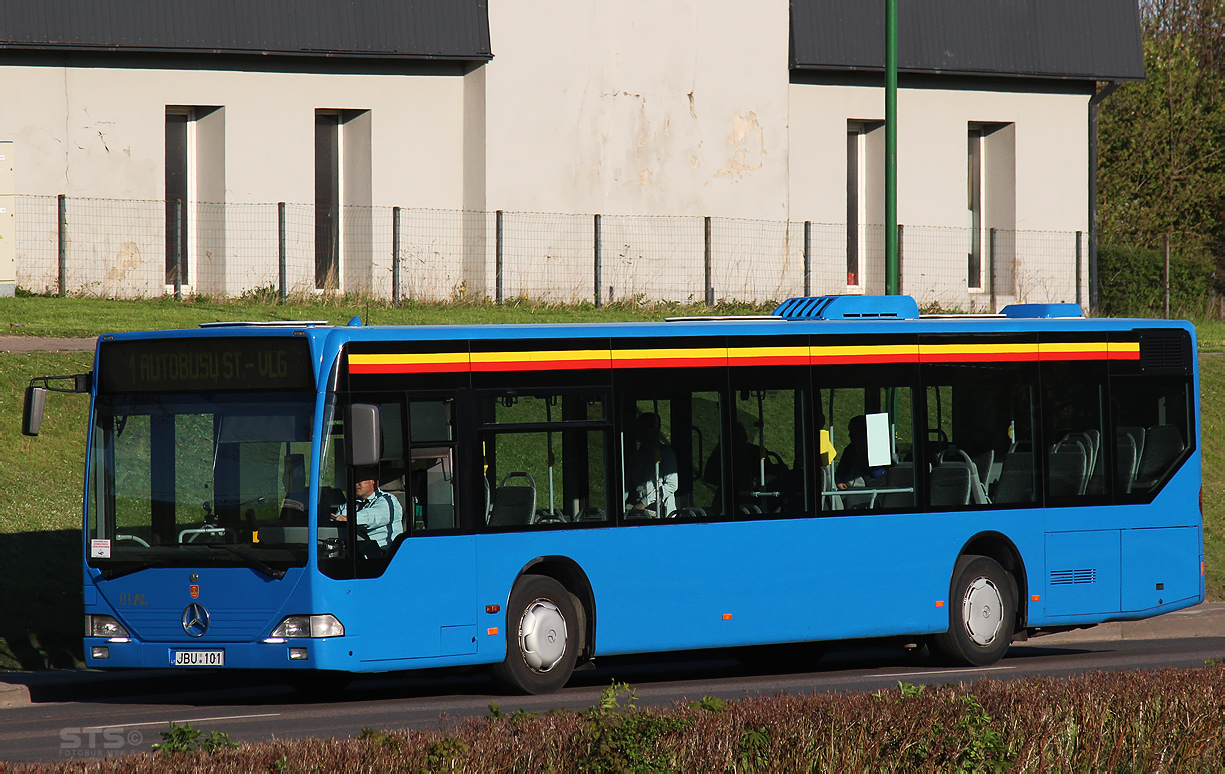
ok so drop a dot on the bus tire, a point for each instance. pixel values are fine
(542, 637)
(982, 612)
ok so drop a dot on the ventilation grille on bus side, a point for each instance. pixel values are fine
(848, 308)
(1070, 577)
(1165, 352)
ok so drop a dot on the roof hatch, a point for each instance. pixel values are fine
(1041, 311)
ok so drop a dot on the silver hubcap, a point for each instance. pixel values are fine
(542, 635)
(983, 611)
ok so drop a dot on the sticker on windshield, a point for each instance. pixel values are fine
(99, 549)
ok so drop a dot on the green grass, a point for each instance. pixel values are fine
(89, 317)
(40, 516)
(41, 478)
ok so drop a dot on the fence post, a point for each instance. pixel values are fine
(1165, 279)
(497, 252)
(595, 251)
(991, 266)
(281, 257)
(178, 250)
(395, 255)
(1078, 257)
(808, 258)
(901, 256)
(710, 290)
(63, 245)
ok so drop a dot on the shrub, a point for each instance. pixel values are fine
(1130, 282)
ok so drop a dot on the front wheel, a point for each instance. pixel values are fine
(542, 637)
(982, 613)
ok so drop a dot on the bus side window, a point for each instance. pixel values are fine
(667, 444)
(1152, 430)
(870, 444)
(769, 444)
(1074, 416)
(979, 435)
(544, 459)
(430, 492)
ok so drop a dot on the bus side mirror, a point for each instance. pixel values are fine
(36, 397)
(363, 436)
(32, 410)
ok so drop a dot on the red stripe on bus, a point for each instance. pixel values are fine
(407, 368)
(767, 360)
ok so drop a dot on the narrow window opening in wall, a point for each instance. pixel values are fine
(194, 187)
(974, 207)
(991, 207)
(327, 200)
(178, 121)
(854, 200)
(343, 227)
(865, 204)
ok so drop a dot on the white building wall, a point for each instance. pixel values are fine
(639, 107)
(635, 109)
(1051, 181)
(100, 132)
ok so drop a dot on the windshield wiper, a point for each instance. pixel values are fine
(110, 573)
(251, 561)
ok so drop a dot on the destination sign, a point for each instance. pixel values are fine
(202, 365)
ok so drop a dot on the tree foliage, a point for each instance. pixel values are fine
(1161, 163)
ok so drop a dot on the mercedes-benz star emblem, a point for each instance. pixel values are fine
(195, 619)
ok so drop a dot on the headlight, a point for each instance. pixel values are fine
(295, 626)
(103, 626)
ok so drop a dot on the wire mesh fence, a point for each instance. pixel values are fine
(142, 248)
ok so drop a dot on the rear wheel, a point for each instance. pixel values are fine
(543, 627)
(982, 613)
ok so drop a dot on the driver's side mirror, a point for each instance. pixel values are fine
(363, 435)
(36, 397)
(32, 410)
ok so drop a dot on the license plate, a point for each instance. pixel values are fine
(209, 658)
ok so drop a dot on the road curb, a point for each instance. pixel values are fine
(14, 695)
(1206, 620)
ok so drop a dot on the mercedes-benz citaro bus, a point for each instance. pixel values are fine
(356, 499)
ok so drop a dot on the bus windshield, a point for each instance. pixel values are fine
(204, 478)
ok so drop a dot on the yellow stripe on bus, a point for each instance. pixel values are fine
(539, 356)
(861, 351)
(669, 354)
(978, 349)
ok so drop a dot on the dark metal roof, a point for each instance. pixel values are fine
(401, 29)
(1083, 39)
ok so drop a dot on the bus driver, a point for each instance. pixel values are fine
(377, 511)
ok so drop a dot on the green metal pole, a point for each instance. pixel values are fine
(891, 246)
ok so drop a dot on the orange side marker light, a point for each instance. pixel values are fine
(1036, 598)
(492, 608)
(939, 603)
(727, 616)
(492, 630)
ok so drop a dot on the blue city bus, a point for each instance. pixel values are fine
(530, 496)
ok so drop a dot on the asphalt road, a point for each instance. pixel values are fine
(85, 718)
